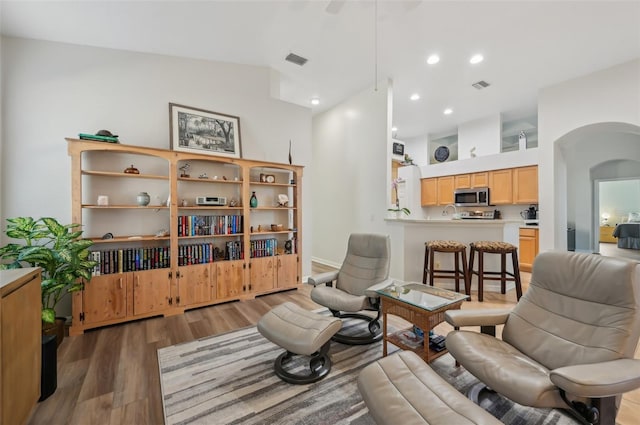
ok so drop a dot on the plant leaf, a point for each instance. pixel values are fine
(48, 315)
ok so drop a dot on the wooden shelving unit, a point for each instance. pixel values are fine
(165, 275)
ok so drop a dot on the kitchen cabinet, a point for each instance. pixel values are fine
(462, 181)
(446, 186)
(525, 185)
(429, 192)
(501, 186)
(528, 248)
(480, 179)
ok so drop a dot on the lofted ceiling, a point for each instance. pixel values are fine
(526, 45)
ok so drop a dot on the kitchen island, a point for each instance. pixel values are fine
(415, 232)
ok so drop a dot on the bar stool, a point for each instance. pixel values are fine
(494, 247)
(459, 270)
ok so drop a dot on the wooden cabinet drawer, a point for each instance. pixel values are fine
(528, 232)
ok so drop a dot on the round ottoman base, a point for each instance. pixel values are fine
(319, 367)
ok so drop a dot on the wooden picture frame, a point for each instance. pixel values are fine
(199, 131)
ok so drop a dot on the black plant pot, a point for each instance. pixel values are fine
(49, 372)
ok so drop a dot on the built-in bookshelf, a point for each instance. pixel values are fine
(176, 253)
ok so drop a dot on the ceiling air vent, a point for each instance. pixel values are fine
(480, 85)
(298, 60)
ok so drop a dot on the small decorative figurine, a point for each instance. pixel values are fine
(183, 170)
(203, 176)
(131, 170)
(283, 200)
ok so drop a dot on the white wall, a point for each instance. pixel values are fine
(351, 175)
(484, 134)
(608, 96)
(55, 90)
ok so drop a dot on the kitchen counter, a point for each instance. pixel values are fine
(415, 232)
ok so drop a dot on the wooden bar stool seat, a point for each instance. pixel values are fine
(495, 247)
(459, 251)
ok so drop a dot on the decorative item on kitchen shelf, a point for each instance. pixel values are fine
(200, 131)
(396, 208)
(253, 201)
(407, 160)
(58, 250)
(522, 140)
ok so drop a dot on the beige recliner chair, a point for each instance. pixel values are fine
(351, 289)
(568, 343)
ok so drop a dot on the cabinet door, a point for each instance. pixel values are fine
(105, 297)
(525, 185)
(287, 276)
(428, 192)
(480, 179)
(528, 248)
(501, 186)
(462, 181)
(229, 279)
(261, 274)
(445, 190)
(194, 284)
(151, 291)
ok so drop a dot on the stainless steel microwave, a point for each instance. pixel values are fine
(477, 197)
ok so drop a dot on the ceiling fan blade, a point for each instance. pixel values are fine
(335, 6)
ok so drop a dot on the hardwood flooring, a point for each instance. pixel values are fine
(110, 375)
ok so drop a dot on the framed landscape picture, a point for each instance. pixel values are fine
(199, 131)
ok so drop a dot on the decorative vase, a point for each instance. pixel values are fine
(253, 202)
(143, 199)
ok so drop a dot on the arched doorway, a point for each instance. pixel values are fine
(588, 153)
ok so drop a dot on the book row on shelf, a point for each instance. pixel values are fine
(202, 225)
(263, 248)
(130, 260)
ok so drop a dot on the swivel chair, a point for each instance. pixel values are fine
(351, 290)
(568, 343)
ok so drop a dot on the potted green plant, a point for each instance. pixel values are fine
(58, 250)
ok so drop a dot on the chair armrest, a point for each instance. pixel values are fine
(371, 290)
(489, 317)
(597, 380)
(321, 278)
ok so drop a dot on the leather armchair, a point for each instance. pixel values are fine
(568, 343)
(351, 290)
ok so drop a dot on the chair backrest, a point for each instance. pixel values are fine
(366, 263)
(579, 308)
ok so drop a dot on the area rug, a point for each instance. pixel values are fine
(229, 379)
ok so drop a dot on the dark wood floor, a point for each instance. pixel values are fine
(110, 375)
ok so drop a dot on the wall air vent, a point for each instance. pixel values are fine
(298, 60)
(480, 85)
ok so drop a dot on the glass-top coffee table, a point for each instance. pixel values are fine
(422, 306)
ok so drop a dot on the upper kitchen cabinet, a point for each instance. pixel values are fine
(462, 181)
(429, 192)
(501, 186)
(525, 185)
(445, 190)
(480, 179)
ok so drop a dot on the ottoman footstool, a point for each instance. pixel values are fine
(403, 389)
(300, 332)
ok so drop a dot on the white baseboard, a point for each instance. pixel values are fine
(326, 262)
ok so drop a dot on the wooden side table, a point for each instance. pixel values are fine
(425, 318)
(606, 234)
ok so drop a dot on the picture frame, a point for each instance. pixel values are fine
(200, 131)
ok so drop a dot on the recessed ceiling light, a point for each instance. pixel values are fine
(315, 101)
(433, 59)
(415, 96)
(448, 111)
(476, 59)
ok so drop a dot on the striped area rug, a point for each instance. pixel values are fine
(229, 379)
